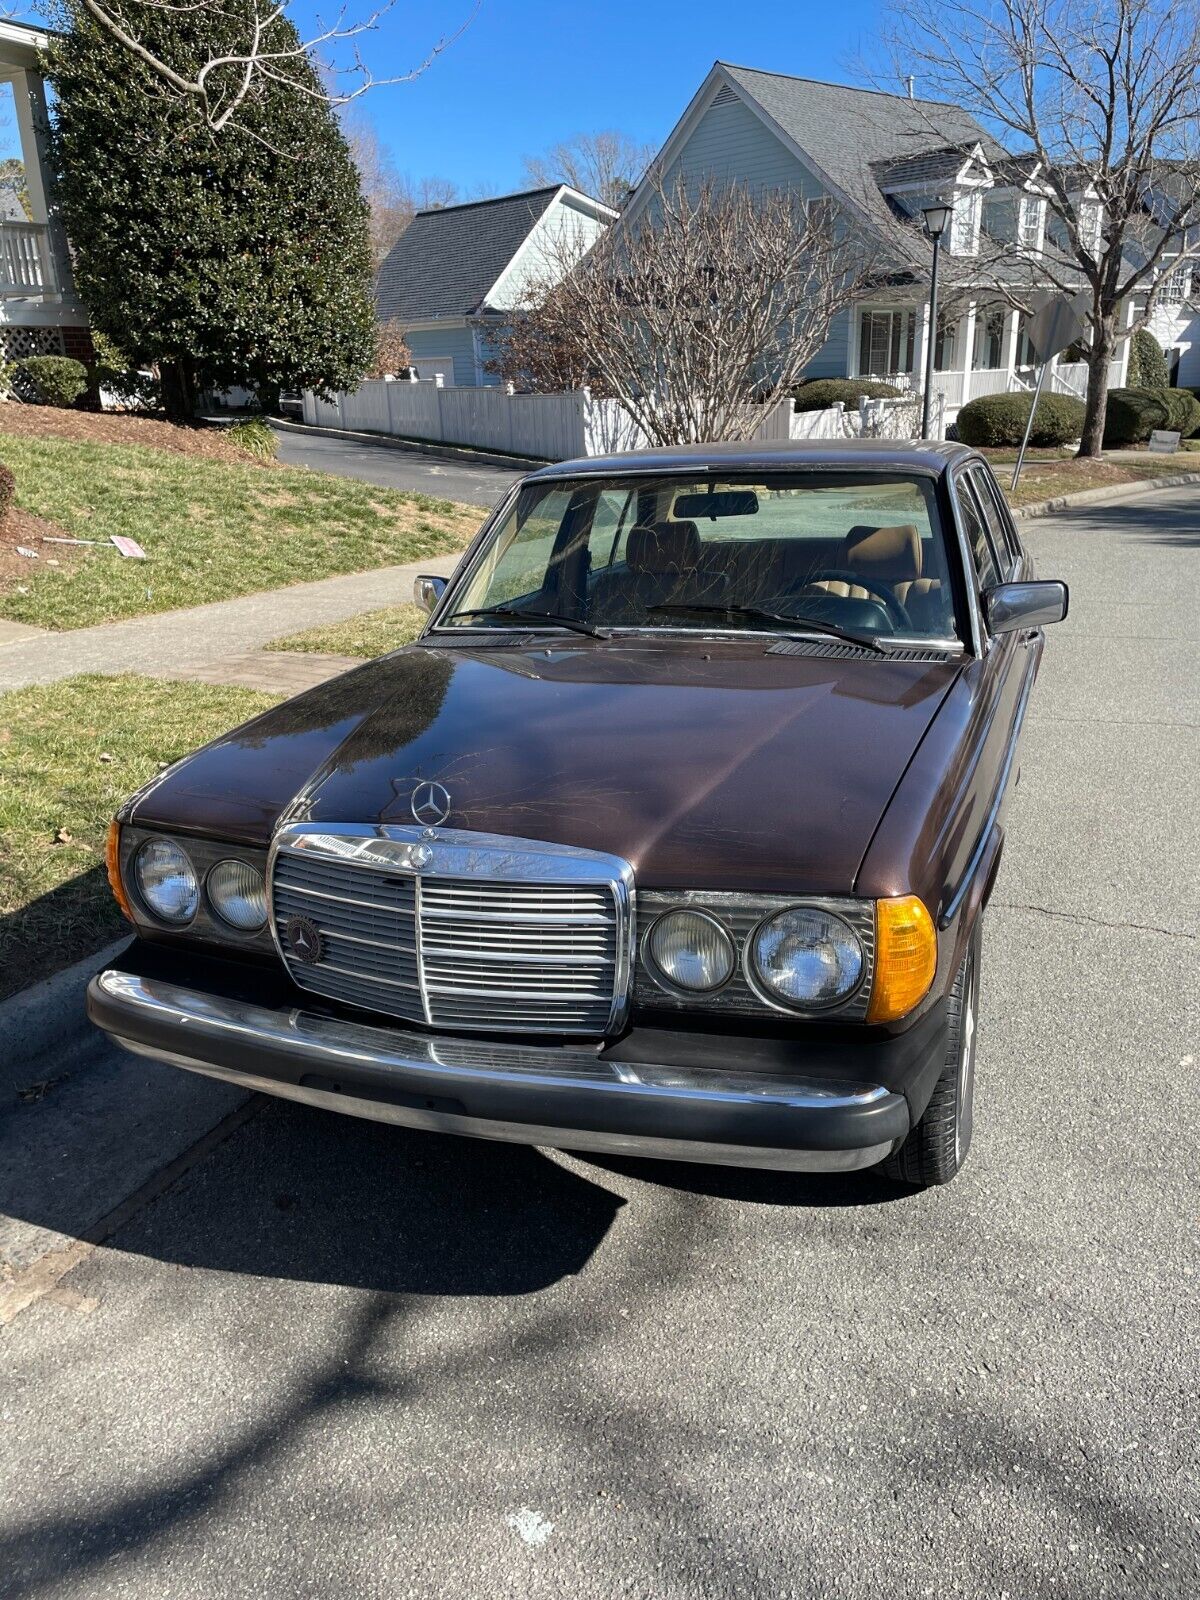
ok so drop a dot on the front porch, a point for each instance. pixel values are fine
(980, 349)
(40, 311)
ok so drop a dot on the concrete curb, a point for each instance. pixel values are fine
(1102, 497)
(49, 1019)
(421, 447)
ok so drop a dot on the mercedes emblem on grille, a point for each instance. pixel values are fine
(430, 804)
(304, 940)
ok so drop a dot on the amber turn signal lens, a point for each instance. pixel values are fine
(905, 957)
(112, 860)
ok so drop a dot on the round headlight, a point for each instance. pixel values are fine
(238, 895)
(166, 880)
(691, 950)
(806, 958)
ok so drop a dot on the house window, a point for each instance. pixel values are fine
(1029, 224)
(885, 343)
(989, 353)
(1178, 285)
(964, 230)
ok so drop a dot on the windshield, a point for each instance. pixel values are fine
(862, 554)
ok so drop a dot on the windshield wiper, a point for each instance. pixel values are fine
(551, 617)
(756, 614)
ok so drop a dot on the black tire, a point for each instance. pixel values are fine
(937, 1147)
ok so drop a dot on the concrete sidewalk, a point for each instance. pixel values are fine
(175, 644)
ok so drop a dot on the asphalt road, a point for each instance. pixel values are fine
(414, 470)
(341, 1359)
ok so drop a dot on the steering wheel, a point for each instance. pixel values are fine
(878, 591)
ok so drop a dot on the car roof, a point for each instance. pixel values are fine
(776, 455)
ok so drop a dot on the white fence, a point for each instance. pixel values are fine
(548, 427)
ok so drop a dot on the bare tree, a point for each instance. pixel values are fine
(1104, 98)
(392, 355)
(605, 165)
(269, 49)
(694, 314)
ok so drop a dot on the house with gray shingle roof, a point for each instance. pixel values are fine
(882, 157)
(457, 269)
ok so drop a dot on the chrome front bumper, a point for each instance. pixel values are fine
(572, 1096)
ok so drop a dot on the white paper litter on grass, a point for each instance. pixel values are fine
(128, 547)
(24, 550)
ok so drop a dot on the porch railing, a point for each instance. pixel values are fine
(26, 266)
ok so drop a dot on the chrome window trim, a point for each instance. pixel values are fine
(979, 637)
(461, 854)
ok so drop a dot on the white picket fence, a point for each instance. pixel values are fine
(557, 427)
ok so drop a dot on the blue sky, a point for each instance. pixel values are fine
(528, 73)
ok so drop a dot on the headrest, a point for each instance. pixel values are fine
(889, 553)
(663, 547)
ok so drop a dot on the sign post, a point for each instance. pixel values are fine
(1056, 323)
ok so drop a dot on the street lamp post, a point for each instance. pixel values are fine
(936, 215)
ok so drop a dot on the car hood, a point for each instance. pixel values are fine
(718, 764)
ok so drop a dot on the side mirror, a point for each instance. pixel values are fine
(1010, 606)
(427, 591)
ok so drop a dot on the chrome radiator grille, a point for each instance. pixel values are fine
(529, 938)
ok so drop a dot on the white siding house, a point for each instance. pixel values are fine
(458, 269)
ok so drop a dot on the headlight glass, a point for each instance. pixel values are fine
(806, 957)
(238, 895)
(691, 950)
(166, 880)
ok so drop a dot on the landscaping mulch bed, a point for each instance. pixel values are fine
(118, 427)
(22, 528)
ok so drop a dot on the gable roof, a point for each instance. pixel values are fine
(847, 132)
(446, 260)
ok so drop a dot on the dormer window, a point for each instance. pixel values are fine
(1031, 222)
(964, 230)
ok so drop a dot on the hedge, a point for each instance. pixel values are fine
(1000, 419)
(1133, 414)
(1183, 412)
(820, 393)
(50, 380)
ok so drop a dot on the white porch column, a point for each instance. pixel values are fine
(29, 103)
(924, 334)
(968, 360)
(1125, 347)
(1011, 329)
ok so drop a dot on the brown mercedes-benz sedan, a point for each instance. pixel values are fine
(672, 834)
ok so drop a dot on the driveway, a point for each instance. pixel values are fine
(334, 1358)
(417, 471)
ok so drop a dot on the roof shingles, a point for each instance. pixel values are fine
(446, 260)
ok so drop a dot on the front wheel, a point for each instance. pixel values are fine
(937, 1147)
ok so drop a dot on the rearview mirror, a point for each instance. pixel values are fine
(1010, 606)
(427, 591)
(707, 507)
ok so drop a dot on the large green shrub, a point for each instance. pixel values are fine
(1147, 364)
(1183, 411)
(8, 493)
(819, 393)
(238, 258)
(50, 380)
(994, 420)
(1133, 414)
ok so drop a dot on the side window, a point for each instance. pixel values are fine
(978, 539)
(997, 523)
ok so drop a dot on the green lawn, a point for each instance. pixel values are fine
(70, 752)
(1048, 473)
(210, 529)
(372, 634)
